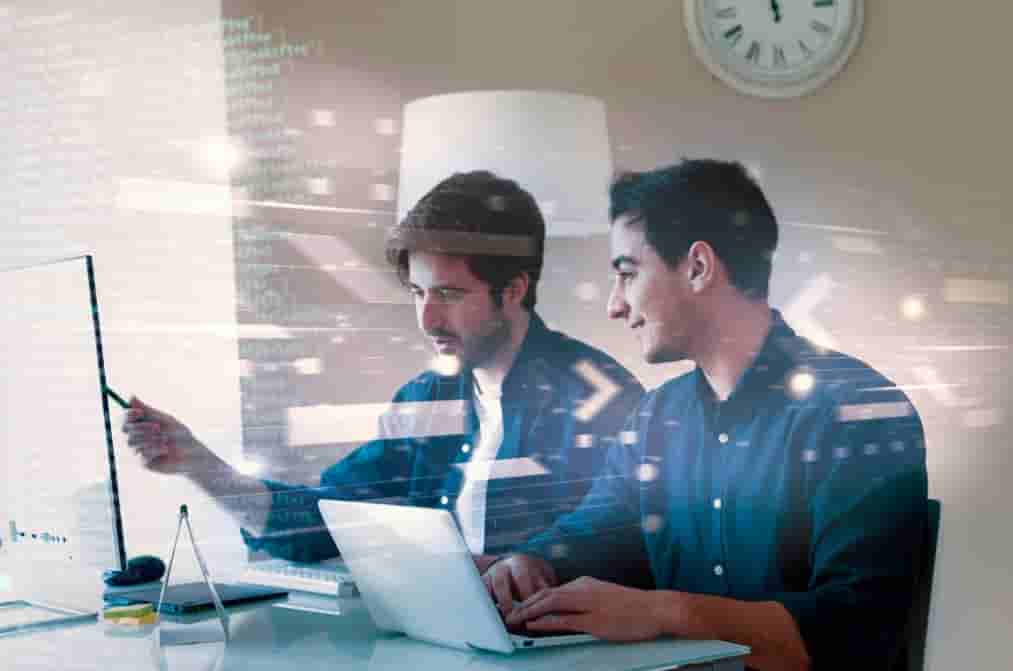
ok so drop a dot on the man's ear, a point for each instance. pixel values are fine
(516, 289)
(701, 265)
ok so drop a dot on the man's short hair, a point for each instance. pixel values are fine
(717, 202)
(492, 222)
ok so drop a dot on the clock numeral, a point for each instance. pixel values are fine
(734, 34)
(754, 52)
(779, 60)
(823, 3)
(820, 27)
(727, 13)
(806, 51)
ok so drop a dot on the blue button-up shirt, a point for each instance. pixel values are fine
(807, 486)
(554, 414)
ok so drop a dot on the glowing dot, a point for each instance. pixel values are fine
(913, 307)
(223, 155)
(587, 292)
(446, 365)
(385, 126)
(322, 117)
(319, 186)
(249, 467)
(628, 437)
(308, 366)
(801, 383)
(444, 500)
(647, 472)
(585, 440)
(842, 452)
(651, 523)
(496, 203)
(466, 448)
(380, 191)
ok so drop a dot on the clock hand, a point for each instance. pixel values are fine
(776, 7)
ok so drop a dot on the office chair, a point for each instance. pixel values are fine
(911, 656)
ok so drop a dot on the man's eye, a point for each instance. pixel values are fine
(450, 295)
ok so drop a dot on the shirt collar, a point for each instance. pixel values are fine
(778, 354)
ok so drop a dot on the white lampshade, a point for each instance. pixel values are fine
(555, 145)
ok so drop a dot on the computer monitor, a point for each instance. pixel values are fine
(60, 500)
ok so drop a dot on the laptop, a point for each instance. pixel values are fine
(193, 597)
(417, 577)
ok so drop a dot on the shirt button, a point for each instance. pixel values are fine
(719, 570)
(722, 438)
(717, 504)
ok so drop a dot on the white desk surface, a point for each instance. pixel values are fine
(278, 638)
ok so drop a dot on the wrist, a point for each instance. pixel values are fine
(674, 611)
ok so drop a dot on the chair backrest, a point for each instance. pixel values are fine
(912, 654)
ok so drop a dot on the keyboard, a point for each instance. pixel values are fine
(329, 578)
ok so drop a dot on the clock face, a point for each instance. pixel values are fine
(774, 48)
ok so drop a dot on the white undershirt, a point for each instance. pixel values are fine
(470, 505)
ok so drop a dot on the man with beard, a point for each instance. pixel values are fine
(532, 430)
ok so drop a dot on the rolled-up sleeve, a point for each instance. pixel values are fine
(294, 528)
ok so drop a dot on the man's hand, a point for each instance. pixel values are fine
(516, 578)
(587, 605)
(163, 443)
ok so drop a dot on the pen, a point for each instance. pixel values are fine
(116, 397)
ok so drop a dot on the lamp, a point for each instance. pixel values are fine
(554, 145)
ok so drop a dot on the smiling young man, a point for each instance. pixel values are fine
(779, 490)
(509, 442)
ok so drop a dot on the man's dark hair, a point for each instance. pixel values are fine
(492, 222)
(709, 200)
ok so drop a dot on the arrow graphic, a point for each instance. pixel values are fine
(799, 311)
(605, 390)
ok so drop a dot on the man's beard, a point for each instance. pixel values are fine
(483, 348)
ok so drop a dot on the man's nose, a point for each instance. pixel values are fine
(617, 308)
(430, 313)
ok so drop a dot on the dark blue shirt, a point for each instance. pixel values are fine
(553, 414)
(807, 486)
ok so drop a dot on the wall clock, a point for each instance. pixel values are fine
(774, 48)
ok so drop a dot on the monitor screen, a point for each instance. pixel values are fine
(59, 496)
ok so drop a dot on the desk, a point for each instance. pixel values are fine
(278, 637)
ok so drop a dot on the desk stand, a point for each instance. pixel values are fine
(223, 616)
